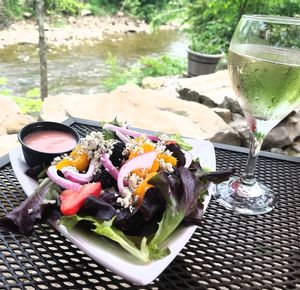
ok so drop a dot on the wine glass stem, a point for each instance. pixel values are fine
(248, 177)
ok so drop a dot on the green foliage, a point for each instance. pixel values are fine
(173, 11)
(281, 35)
(5, 92)
(29, 104)
(3, 81)
(96, 7)
(158, 11)
(13, 8)
(205, 45)
(212, 22)
(162, 66)
(33, 93)
(103, 7)
(116, 75)
(71, 7)
(146, 66)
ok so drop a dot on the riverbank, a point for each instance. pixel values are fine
(71, 31)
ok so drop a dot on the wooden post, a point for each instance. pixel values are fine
(42, 49)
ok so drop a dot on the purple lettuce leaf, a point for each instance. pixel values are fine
(139, 221)
(177, 153)
(24, 217)
(181, 192)
(215, 176)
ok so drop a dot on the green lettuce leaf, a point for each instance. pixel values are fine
(107, 134)
(181, 192)
(180, 141)
(106, 229)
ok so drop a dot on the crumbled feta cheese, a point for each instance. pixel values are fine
(164, 137)
(134, 180)
(58, 159)
(166, 166)
(73, 168)
(126, 199)
(95, 145)
(168, 152)
(136, 143)
(160, 147)
(92, 141)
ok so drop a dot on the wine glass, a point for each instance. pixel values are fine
(264, 66)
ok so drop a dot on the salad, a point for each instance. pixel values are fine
(132, 188)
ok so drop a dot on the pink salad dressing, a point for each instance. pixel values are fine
(50, 141)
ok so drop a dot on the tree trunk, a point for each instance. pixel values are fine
(42, 49)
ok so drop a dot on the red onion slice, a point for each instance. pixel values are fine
(62, 182)
(77, 177)
(122, 136)
(141, 161)
(112, 170)
(129, 132)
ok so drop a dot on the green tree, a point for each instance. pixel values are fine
(42, 49)
(212, 22)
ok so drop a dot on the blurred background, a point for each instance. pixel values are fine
(95, 46)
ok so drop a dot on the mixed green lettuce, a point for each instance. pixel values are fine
(173, 200)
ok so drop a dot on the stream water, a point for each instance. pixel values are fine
(79, 69)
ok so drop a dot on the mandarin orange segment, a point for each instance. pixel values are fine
(143, 172)
(155, 166)
(63, 163)
(168, 159)
(78, 158)
(144, 148)
(144, 186)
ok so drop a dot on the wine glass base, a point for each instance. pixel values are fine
(260, 202)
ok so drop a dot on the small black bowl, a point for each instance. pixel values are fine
(34, 157)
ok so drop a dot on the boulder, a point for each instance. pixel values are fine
(225, 114)
(7, 142)
(166, 84)
(239, 124)
(152, 83)
(13, 126)
(212, 90)
(294, 149)
(27, 15)
(11, 118)
(85, 12)
(285, 133)
(8, 106)
(143, 108)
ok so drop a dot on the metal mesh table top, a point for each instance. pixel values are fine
(227, 252)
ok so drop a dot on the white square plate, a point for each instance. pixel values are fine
(109, 254)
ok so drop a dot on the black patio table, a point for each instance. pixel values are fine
(228, 251)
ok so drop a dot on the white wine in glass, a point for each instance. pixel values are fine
(264, 66)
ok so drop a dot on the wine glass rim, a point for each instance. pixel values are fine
(273, 18)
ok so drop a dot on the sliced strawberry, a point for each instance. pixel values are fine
(72, 201)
